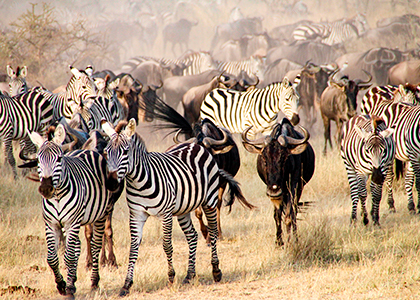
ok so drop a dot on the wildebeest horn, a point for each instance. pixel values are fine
(177, 141)
(331, 77)
(258, 142)
(257, 80)
(208, 141)
(364, 83)
(387, 60)
(294, 141)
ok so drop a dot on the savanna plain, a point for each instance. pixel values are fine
(331, 260)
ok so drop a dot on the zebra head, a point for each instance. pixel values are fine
(17, 80)
(289, 99)
(81, 85)
(49, 157)
(117, 152)
(375, 146)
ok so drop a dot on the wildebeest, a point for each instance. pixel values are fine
(302, 51)
(339, 103)
(405, 72)
(219, 142)
(285, 163)
(178, 33)
(278, 69)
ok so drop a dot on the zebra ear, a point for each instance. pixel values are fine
(59, 134)
(10, 71)
(130, 129)
(36, 138)
(296, 81)
(285, 81)
(89, 70)
(387, 132)
(23, 72)
(107, 128)
(75, 72)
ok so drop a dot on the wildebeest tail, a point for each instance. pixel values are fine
(171, 119)
(234, 190)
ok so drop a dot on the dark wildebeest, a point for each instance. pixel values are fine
(285, 163)
(405, 72)
(339, 103)
(178, 33)
(218, 142)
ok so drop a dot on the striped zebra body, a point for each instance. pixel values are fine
(164, 185)
(332, 33)
(236, 111)
(30, 111)
(253, 65)
(368, 149)
(74, 194)
(405, 119)
(98, 108)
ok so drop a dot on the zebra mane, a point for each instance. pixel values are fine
(376, 121)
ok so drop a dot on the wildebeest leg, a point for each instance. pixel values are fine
(203, 227)
(290, 222)
(108, 236)
(409, 180)
(338, 133)
(388, 183)
(88, 237)
(219, 206)
(361, 183)
(191, 235)
(376, 190)
(277, 217)
(327, 132)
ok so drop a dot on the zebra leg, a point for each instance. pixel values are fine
(211, 216)
(376, 190)
(137, 222)
(277, 217)
(96, 243)
(8, 152)
(361, 182)
(354, 193)
(416, 169)
(191, 235)
(167, 244)
(71, 257)
(409, 180)
(88, 237)
(53, 234)
(388, 183)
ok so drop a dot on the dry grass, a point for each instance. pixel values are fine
(330, 261)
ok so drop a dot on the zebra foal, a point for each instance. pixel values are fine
(367, 149)
(73, 189)
(165, 185)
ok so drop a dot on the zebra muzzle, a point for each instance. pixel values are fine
(46, 189)
(111, 182)
(295, 119)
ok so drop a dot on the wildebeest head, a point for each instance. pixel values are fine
(49, 157)
(274, 150)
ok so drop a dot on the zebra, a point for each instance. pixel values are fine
(367, 149)
(164, 185)
(25, 112)
(332, 33)
(74, 193)
(406, 120)
(17, 80)
(258, 108)
(194, 62)
(78, 89)
(254, 65)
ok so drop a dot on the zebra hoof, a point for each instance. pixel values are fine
(188, 278)
(217, 275)
(61, 287)
(124, 292)
(69, 297)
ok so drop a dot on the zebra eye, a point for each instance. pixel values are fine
(125, 151)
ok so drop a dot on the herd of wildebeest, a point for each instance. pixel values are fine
(244, 85)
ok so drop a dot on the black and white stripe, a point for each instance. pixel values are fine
(74, 194)
(258, 108)
(254, 65)
(17, 80)
(367, 149)
(25, 112)
(164, 185)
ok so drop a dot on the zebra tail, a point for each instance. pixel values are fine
(159, 110)
(399, 169)
(234, 191)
